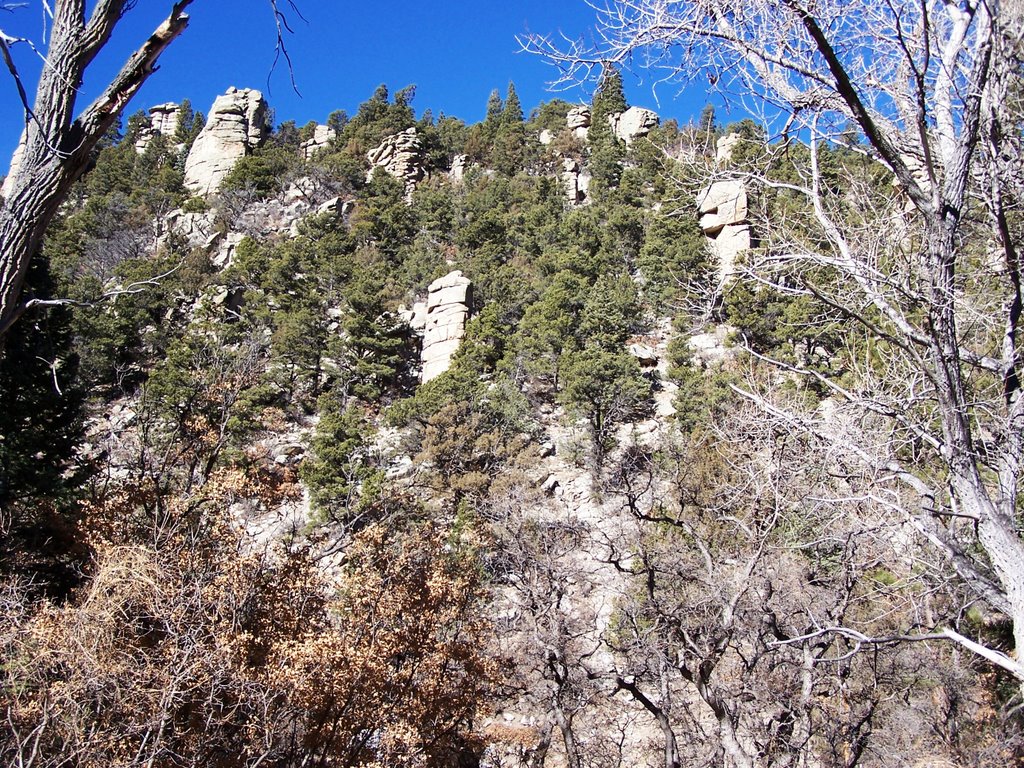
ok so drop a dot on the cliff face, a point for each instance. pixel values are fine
(235, 126)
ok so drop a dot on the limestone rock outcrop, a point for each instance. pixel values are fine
(401, 155)
(16, 160)
(163, 121)
(633, 123)
(459, 165)
(235, 127)
(576, 181)
(163, 118)
(578, 121)
(724, 148)
(199, 230)
(337, 207)
(322, 136)
(723, 219)
(447, 309)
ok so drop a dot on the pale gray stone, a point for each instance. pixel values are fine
(444, 319)
(725, 147)
(633, 123)
(723, 219)
(459, 165)
(401, 156)
(576, 181)
(163, 118)
(578, 117)
(235, 127)
(645, 354)
(322, 136)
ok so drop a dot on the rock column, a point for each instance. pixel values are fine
(448, 302)
(235, 127)
(723, 218)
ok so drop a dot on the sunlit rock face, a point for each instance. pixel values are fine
(447, 310)
(401, 155)
(723, 218)
(235, 127)
(632, 124)
(322, 137)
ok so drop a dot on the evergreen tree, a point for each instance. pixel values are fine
(333, 471)
(480, 139)
(605, 388)
(606, 151)
(610, 96)
(706, 125)
(190, 123)
(512, 112)
(495, 111)
(674, 262)
(509, 146)
(376, 341)
(611, 314)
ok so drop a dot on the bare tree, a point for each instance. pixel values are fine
(930, 274)
(58, 139)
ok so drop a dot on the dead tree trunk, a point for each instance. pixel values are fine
(56, 144)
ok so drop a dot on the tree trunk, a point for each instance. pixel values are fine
(56, 146)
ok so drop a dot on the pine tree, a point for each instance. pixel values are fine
(509, 148)
(610, 96)
(512, 113)
(606, 151)
(333, 471)
(190, 123)
(706, 125)
(495, 110)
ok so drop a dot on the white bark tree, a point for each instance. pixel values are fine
(933, 278)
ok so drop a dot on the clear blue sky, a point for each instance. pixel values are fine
(454, 51)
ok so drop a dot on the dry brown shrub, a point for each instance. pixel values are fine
(195, 648)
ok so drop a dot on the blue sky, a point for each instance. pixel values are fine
(454, 51)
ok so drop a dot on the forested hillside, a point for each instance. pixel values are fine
(625, 512)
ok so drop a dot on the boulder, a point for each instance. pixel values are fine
(198, 229)
(724, 148)
(710, 348)
(458, 169)
(163, 118)
(578, 121)
(415, 318)
(721, 204)
(447, 310)
(322, 136)
(576, 181)
(224, 255)
(645, 354)
(633, 123)
(401, 155)
(578, 117)
(235, 127)
(337, 207)
(723, 218)
(163, 121)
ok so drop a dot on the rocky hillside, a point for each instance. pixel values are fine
(399, 441)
